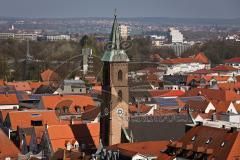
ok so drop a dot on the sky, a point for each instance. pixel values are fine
(125, 8)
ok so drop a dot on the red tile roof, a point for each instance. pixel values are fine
(224, 68)
(202, 71)
(49, 75)
(219, 143)
(36, 85)
(20, 86)
(142, 108)
(221, 106)
(150, 148)
(23, 119)
(217, 78)
(213, 94)
(53, 101)
(88, 134)
(7, 147)
(165, 93)
(200, 58)
(200, 106)
(8, 99)
(229, 86)
(2, 83)
(233, 60)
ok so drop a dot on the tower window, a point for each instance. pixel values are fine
(120, 75)
(119, 95)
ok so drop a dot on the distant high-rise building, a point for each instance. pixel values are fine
(87, 60)
(123, 31)
(176, 36)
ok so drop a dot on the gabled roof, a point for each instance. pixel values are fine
(213, 94)
(8, 99)
(229, 86)
(221, 106)
(198, 105)
(7, 147)
(23, 119)
(224, 68)
(49, 75)
(202, 71)
(218, 143)
(88, 134)
(150, 148)
(201, 58)
(165, 93)
(142, 108)
(198, 58)
(217, 78)
(233, 60)
(71, 101)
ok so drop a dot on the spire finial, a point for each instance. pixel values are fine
(115, 12)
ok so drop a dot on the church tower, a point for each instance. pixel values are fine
(115, 92)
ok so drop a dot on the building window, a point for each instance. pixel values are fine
(119, 95)
(120, 75)
(65, 109)
(78, 109)
(36, 123)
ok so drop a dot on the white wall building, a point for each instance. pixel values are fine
(124, 30)
(176, 35)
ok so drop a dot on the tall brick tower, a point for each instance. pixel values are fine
(115, 92)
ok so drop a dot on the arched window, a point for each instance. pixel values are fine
(119, 95)
(120, 75)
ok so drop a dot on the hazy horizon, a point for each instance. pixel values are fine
(213, 9)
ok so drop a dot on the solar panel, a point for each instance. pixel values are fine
(166, 101)
(193, 98)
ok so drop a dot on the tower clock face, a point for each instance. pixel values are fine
(120, 112)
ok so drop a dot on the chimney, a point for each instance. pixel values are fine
(214, 117)
(223, 126)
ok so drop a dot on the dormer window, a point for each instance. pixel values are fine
(209, 140)
(78, 109)
(58, 110)
(65, 109)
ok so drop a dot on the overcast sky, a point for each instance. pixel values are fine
(126, 8)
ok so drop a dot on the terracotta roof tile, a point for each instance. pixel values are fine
(213, 94)
(229, 86)
(88, 134)
(23, 119)
(71, 101)
(150, 148)
(8, 99)
(20, 86)
(224, 68)
(7, 147)
(2, 83)
(165, 93)
(219, 143)
(49, 75)
(143, 108)
(233, 60)
(200, 106)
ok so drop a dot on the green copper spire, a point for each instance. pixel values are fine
(115, 53)
(115, 35)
